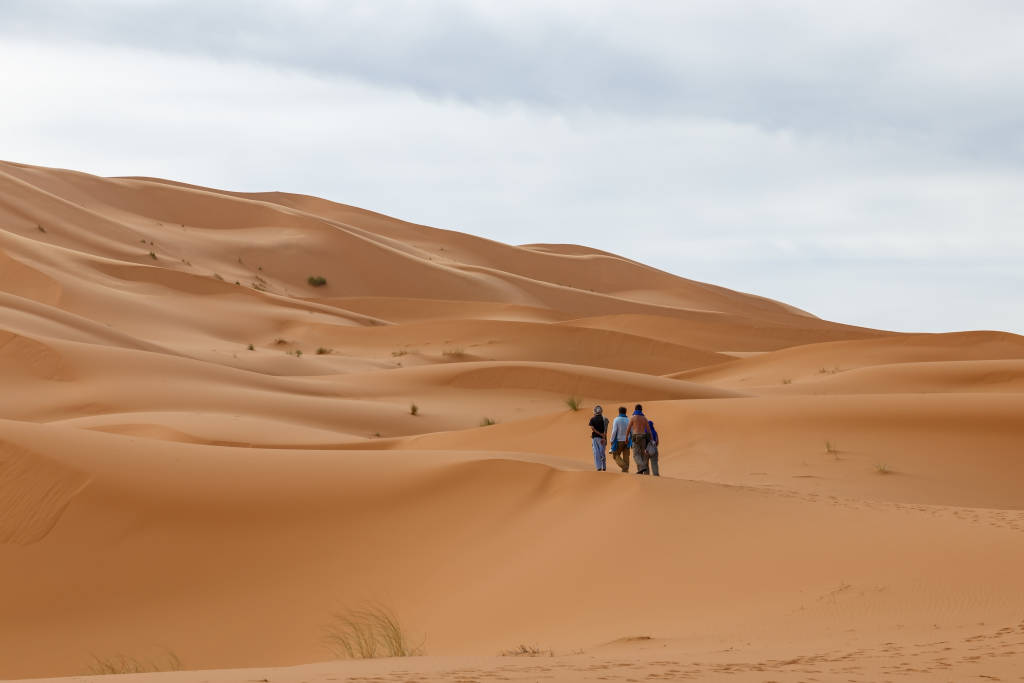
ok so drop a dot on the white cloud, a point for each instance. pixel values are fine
(816, 156)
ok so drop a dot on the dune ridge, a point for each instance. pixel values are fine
(204, 453)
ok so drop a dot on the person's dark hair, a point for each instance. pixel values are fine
(622, 410)
(639, 408)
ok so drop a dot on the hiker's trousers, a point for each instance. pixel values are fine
(599, 459)
(640, 453)
(621, 456)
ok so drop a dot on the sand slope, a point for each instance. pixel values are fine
(202, 453)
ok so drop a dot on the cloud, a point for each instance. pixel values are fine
(747, 144)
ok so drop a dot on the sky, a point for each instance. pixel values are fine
(861, 161)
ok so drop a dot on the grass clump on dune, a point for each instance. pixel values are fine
(414, 409)
(457, 352)
(317, 280)
(323, 351)
(369, 632)
(487, 422)
(122, 664)
(527, 651)
(574, 403)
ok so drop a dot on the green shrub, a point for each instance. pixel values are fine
(317, 280)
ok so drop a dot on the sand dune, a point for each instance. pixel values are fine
(203, 453)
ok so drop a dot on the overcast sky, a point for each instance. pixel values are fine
(860, 160)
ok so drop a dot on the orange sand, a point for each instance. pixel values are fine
(837, 503)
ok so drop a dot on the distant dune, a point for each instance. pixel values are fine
(205, 455)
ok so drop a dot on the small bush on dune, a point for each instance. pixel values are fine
(527, 651)
(122, 664)
(369, 632)
(152, 256)
(322, 351)
(486, 422)
(882, 468)
(251, 347)
(457, 352)
(317, 280)
(414, 409)
(398, 353)
(574, 403)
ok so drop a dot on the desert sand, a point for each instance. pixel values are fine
(204, 458)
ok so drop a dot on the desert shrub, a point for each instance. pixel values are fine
(487, 422)
(574, 403)
(152, 256)
(527, 651)
(457, 352)
(369, 632)
(122, 664)
(414, 409)
(399, 352)
(323, 351)
(251, 347)
(317, 280)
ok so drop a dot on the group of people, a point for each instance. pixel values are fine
(635, 431)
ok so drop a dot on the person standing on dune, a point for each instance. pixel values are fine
(618, 439)
(598, 433)
(639, 432)
(652, 449)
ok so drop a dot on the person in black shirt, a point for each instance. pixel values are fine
(598, 437)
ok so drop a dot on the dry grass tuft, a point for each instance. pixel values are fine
(369, 632)
(574, 403)
(122, 664)
(527, 651)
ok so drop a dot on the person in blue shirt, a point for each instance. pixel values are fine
(653, 458)
(620, 440)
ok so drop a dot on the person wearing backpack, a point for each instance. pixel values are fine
(639, 432)
(619, 440)
(652, 449)
(598, 433)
